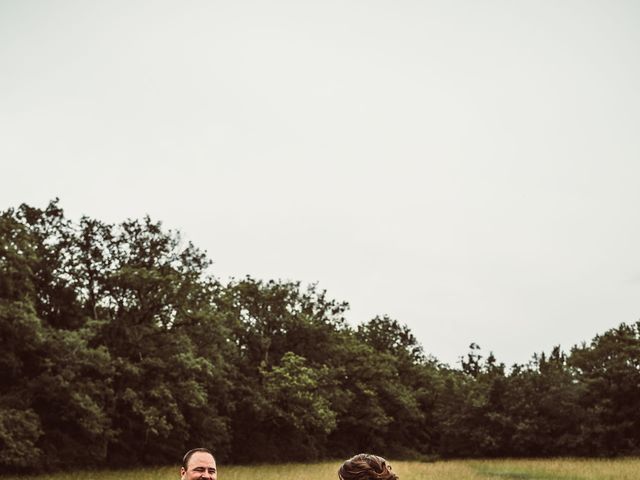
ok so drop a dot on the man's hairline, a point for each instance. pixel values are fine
(187, 457)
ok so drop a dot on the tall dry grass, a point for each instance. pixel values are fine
(543, 469)
(549, 469)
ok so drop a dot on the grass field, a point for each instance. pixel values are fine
(552, 469)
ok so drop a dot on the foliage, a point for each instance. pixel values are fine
(609, 371)
(120, 348)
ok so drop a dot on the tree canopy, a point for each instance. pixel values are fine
(119, 347)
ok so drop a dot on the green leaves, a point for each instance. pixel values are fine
(19, 433)
(119, 348)
(294, 397)
(609, 371)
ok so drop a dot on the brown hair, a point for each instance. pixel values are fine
(189, 454)
(366, 467)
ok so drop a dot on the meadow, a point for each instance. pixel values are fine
(539, 469)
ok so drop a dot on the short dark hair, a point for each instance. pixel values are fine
(187, 456)
(365, 466)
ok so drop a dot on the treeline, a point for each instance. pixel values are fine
(118, 349)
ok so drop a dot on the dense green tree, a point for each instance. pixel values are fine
(55, 387)
(274, 322)
(296, 414)
(272, 318)
(21, 337)
(542, 401)
(111, 365)
(470, 412)
(53, 272)
(120, 348)
(385, 391)
(387, 335)
(154, 291)
(20, 430)
(609, 370)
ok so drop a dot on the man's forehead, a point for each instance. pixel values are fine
(202, 459)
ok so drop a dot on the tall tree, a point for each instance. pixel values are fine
(21, 336)
(279, 329)
(609, 368)
(154, 291)
(56, 384)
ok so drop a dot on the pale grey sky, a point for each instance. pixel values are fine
(470, 168)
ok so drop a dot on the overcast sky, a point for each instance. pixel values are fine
(470, 168)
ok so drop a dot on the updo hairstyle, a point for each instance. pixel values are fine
(366, 467)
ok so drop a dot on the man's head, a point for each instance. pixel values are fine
(198, 464)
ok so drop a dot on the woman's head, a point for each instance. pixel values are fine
(366, 467)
